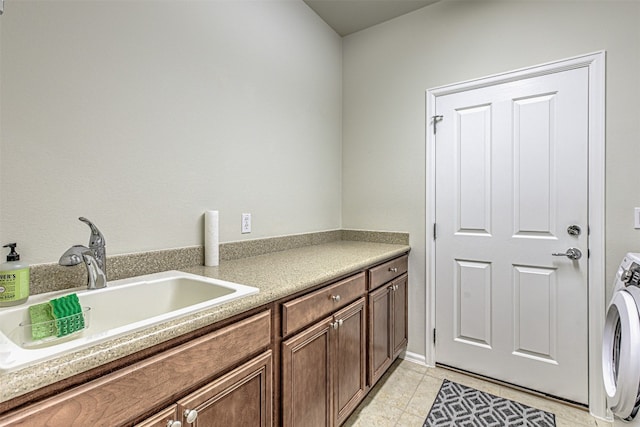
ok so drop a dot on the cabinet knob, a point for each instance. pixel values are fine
(335, 298)
(190, 415)
(336, 324)
(173, 423)
(393, 269)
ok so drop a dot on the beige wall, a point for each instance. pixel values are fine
(140, 115)
(387, 69)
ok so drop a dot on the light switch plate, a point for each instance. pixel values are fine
(636, 217)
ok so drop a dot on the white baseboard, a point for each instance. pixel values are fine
(414, 357)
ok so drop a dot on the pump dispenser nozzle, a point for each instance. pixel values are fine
(13, 255)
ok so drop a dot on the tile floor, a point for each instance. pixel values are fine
(404, 396)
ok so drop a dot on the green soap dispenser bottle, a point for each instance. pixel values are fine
(14, 279)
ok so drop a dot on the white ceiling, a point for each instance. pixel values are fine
(349, 16)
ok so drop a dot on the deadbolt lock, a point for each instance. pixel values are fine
(574, 230)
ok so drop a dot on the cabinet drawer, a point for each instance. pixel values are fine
(107, 401)
(161, 419)
(306, 309)
(388, 271)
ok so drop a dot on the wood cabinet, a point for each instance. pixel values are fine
(306, 377)
(350, 385)
(107, 401)
(324, 369)
(399, 308)
(388, 271)
(240, 398)
(304, 310)
(380, 353)
(387, 316)
(243, 397)
(311, 367)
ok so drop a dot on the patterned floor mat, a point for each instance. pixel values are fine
(461, 406)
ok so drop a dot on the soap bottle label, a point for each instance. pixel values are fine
(14, 285)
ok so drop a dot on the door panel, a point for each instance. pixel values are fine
(351, 359)
(472, 302)
(400, 331)
(511, 176)
(534, 182)
(473, 212)
(307, 382)
(535, 305)
(380, 351)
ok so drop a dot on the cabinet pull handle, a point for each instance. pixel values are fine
(393, 269)
(173, 423)
(191, 415)
(335, 298)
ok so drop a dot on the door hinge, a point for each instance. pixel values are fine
(435, 120)
(435, 233)
(434, 335)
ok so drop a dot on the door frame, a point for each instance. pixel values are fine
(595, 64)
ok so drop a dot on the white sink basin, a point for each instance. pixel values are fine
(122, 307)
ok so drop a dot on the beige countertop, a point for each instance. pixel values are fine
(276, 274)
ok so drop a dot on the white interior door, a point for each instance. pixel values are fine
(511, 178)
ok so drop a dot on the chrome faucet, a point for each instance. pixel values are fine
(94, 257)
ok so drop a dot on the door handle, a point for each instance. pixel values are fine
(572, 253)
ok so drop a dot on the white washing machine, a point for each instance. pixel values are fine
(621, 344)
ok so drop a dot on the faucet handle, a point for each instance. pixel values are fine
(97, 238)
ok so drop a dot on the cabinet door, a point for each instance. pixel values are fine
(380, 346)
(350, 359)
(243, 397)
(162, 418)
(307, 382)
(399, 312)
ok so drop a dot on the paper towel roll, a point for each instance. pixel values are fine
(211, 239)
